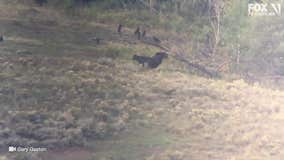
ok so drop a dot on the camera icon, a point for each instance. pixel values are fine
(12, 149)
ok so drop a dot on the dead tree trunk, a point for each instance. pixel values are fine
(211, 74)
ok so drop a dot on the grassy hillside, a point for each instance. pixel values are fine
(88, 101)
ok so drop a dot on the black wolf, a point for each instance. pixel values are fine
(96, 39)
(137, 33)
(119, 28)
(152, 62)
(144, 33)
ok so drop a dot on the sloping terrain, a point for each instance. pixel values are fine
(82, 100)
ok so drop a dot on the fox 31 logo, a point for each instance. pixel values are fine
(264, 9)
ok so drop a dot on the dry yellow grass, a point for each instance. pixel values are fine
(222, 120)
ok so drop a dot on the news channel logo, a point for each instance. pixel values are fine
(264, 9)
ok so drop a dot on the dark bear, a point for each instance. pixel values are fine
(141, 59)
(157, 59)
(152, 62)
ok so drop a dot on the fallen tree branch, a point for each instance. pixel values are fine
(179, 57)
(146, 41)
(150, 41)
(211, 74)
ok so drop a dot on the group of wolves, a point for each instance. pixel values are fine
(151, 62)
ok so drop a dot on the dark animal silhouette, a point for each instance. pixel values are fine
(152, 62)
(83, 2)
(119, 28)
(144, 33)
(156, 40)
(138, 33)
(37, 118)
(97, 40)
(142, 59)
(157, 59)
(40, 2)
